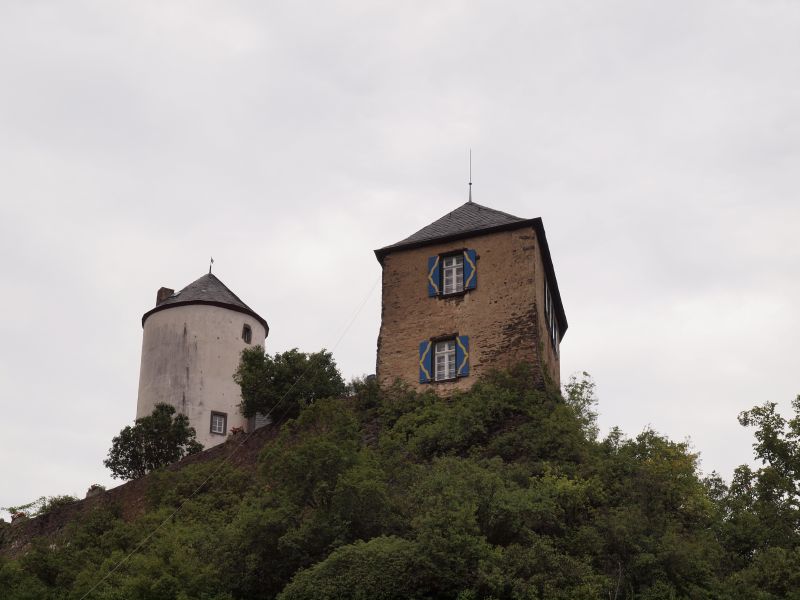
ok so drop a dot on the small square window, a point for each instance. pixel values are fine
(219, 423)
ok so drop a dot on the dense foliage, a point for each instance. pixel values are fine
(281, 385)
(503, 492)
(40, 506)
(154, 441)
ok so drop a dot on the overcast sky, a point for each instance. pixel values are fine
(659, 142)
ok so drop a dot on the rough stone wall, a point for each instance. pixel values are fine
(189, 355)
(501, 316)
(550, 356)
(129, 499)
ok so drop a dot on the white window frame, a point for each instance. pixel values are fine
(219, 417)
(445, 368)
(453, 271)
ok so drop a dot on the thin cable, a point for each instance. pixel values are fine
(228, 457)
(335, 345)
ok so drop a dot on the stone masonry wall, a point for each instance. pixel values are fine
(550, 356)
(501, 316)
(128, 499)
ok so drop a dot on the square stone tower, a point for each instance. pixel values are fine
(471, 292)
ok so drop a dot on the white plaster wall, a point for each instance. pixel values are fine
(189, 355)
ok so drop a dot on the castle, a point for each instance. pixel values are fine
(473, 291)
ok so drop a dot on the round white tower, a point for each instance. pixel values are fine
(190, 349)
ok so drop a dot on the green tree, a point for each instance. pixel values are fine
(286, 382)
(580, 395)
(152, 442)
(765, 502)
(385, 568)
(761, 509)
(499, 492)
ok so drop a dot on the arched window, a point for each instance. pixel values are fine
(247, 334)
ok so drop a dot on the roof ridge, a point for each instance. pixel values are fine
(494, 210)
(206, 289)
(229, 290)
(468, 218)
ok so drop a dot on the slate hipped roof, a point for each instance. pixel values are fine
(468, 218)
(208, 290)
(471, 219)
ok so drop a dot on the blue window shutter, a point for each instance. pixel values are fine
(425, 361)
(433, 276)
(470, 269)
(462, 356)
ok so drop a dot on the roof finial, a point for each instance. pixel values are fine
(470, 174)
(209, 265)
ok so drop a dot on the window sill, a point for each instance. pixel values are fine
(453, 295)
(450, 380)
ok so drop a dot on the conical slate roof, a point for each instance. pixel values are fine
(206, 290)
(467, 219)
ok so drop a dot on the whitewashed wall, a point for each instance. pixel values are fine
(189, 355)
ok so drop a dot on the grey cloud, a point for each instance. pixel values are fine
(659, 142)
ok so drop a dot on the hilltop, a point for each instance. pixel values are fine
(499, 492)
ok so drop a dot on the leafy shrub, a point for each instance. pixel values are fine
(501, 492)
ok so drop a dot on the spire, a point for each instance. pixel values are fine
(470, 174)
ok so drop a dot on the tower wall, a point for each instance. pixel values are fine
(503, 316)
(189, 355)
